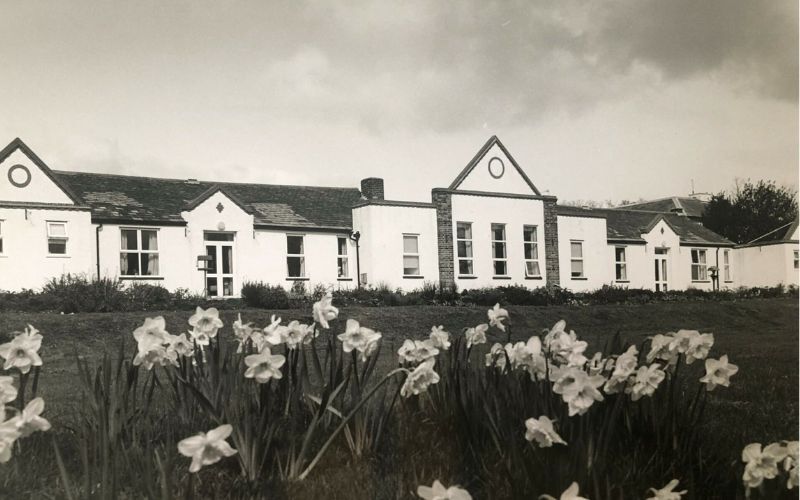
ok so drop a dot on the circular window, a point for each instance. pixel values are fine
(496, 167)
(19, 176)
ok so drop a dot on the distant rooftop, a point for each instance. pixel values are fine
(685, 205)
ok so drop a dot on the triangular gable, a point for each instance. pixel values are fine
(24, 177)
(208, 193)
(653, 223)
(505, 176)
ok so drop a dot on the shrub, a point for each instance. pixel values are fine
(75, 293)
(262, 295)
(147, 297)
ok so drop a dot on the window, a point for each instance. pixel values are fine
(499, 256)
(531, 251)
(576, 259)
(796, 259)
(699, 269)
(1, 237)
(138, 254)
(57, 238)
(343, 269)
(726, 265)
(295, 256)
(464, 247)
(410, 255)
(620, 265)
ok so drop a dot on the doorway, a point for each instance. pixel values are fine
(219, 276)
(661, 270)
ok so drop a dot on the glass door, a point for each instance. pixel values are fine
(219, 276)
(661, 270)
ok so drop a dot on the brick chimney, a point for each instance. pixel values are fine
(372, 188)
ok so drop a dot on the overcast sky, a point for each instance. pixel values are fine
(602, 100)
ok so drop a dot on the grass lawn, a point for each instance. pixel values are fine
(759, 335)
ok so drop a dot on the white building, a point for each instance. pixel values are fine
(490, 227)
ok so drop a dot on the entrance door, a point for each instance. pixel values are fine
(219, 277)
(661, 269)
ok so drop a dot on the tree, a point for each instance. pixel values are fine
(751, 210)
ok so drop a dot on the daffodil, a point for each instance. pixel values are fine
(661, 349)
(554, 332)
(578, 389)
(242, 331)
(496, 317)
(8, 392)
(22, 352)
(645, 381)
(152, 333)
(416, 351)
(681, 340)
(624, 367)
(566, 348)
(699, 346)
(156, 355)
(8, 434)
(541, 430)
(570, 493)
(761, 464)
(497, 356)
(476, 335)
(264, 366)
(181, 345)
(667, 493)
(323, 311)
(206, 321)
(420, 379)
(438, 492)
(790, 463)
(207, 448)
(29, 419)
(296, 334)
(440, 338)
(718, 372)
(528, 356)
(357, 337)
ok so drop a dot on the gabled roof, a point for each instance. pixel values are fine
(689, 206)
(18, 144)
(782, 234)
(629, 225)
(480, 154)
(154, 200)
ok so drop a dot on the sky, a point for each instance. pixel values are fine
(605, 100)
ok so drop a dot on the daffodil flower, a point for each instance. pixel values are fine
(416, 351)
(718, 372)
(699, 346)
(761, 464)
(578, 389)
(566, 348)
(8, 434)
(264, 366)
(29, 419)
(242, 331)
(296, 334)
(496, 317)
(541, 430)
(181, 345)
(357, 337)
(528, 356)
(22, 352)
(323, 311)
(570, 493)
(497, 356)
(207, 448)
(645, 381)
(206, 321)
(419, 379)
(476, 335)
(157, 355)
(667, 493)
(790, 463)
(440, 338)
(152, 333)
(8, 392)
(438, 492)
(661, 348)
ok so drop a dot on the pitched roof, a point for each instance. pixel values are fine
(782, 234)
(18, 144)
(629, 225)
(155, 200)
(691, 207)
(481, 153)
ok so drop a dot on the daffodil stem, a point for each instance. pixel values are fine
(347, 419)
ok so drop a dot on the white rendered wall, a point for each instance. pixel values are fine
(482, 212)
(25, 262)
(479, 179)
(598, 267)
(767, 265)
(639, 260)
(40, 189)
(382, 228)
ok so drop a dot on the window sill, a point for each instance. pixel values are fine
(413, 277)
(726, 281)
(468, 277)
(533, 278)
(141, 278)
(296, 278)
(579, 278)
(701, 281)
(501, 277)
(59, 256)
(621, 281)
(344, 279)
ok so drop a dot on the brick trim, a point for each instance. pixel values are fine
(551, 244)
(444, 237)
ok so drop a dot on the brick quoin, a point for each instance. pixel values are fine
(444, 236)
(551, 243)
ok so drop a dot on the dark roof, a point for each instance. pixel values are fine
(629, 225)
(480, 154)
(154, 200)
(782, 234)
(690, 206)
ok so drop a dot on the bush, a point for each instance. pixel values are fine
(262, 295)
(146, 297)
(75, 293)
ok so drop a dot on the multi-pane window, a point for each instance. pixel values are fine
(57, 238)
(530, 241)
(499, 256)
(138, 255)
(295, 256)
(464, 248)
(1, 237)
(726, 265)
(410, 255)
(620, 264)
(576, 259)
(699, 267)
(343, 269)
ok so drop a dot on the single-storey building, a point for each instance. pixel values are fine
(771, 259)
(491, 226)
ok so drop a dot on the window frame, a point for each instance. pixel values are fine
(621, 265)
(796, 259)
(412, 254)
(140, 252)
(504, 258)
(702, 267)
(573, 259)
(726, 266)
(301, 256)
(57, 238)
(470, 260)
(1, 236)
(534, 244)
(342, 259)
